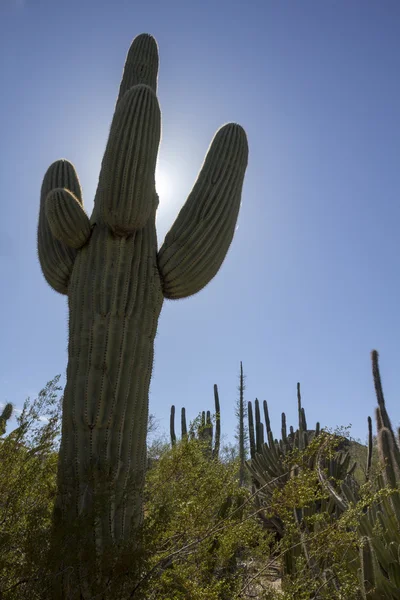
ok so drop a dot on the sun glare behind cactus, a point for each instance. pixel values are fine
(164, 184)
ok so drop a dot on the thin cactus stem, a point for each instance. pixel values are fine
(251, 430)
(386, 456)
(299, 406)
(242, 450)
(259, 427)
(378, 418)
(172, 426)
(183, 423)
(303, 420)
(217, 440)
(266, 417)
(259, 436)
(370, 447)
(384, 420)
(284, 429)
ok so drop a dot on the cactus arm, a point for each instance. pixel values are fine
(56, 259)
(126, 195)
(67, 219)
(199, 239)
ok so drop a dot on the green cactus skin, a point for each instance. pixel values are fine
(5, 416)
(116, 281)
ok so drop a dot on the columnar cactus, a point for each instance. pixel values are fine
(204, 427)
(172, 426)
(116, 280)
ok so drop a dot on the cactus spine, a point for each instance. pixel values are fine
(116, 280)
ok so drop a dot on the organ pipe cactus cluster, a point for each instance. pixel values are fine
(116, 280)
(379, 557)
(204, 427)
(270, 471)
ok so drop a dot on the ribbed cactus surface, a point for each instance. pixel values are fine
(116, 281)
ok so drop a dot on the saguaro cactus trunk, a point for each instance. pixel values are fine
(116, 280)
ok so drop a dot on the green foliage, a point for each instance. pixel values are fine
(28, 459)
(203, 534)
(200, 527)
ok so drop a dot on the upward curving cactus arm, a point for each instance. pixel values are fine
(198, 241)
(56, 258)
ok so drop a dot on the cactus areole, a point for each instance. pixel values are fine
(116, 280)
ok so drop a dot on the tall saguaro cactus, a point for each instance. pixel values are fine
(116, 281)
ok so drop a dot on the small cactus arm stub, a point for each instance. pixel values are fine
(115, 279)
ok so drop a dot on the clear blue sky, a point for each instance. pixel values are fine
(311, 283)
